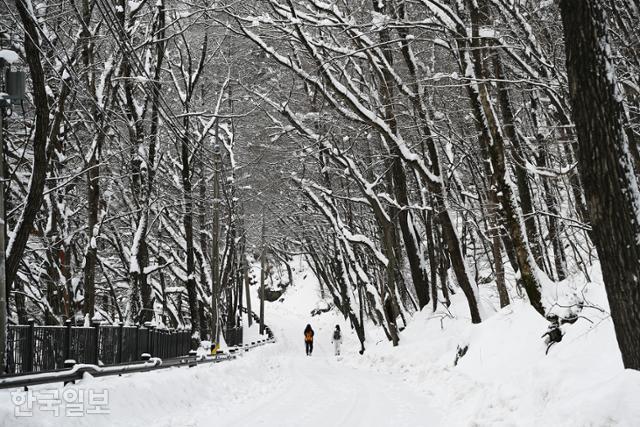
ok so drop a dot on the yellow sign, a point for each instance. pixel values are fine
(214, 348)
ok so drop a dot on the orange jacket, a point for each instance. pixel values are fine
(308, 336)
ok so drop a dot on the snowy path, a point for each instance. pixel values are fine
(278, 385)
(321, 391)
(273, 385)
(315, 391)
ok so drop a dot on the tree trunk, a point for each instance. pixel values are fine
(450, 236)
(432, 260)
(522, 180)
(263, 266)
(188, 232)
(215, 249)
(559, 257)
(492, 141)
(605, 165)
(409, 233)
(17, 244)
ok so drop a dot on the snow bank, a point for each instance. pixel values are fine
(505, 378)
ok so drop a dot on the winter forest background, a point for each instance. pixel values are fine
(408, 150)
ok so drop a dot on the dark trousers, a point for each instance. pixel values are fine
(308, 346)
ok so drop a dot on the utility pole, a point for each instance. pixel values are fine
(3, 285)
(215, 245)
(14, 80)
(263, 266)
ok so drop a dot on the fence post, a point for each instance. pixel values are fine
(167, 345)
(193, 359)
(150, 339)
(163, 344)
(153, 334)
(176, 346)
(137, 352)
(67, 339)
(96, 326)
(27, 361)
(68, 364)
(159, 343)
(120, 341)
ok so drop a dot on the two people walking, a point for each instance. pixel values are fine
(308, 339)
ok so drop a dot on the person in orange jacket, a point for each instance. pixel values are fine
(308, 339)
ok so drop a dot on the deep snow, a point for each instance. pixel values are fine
(504, 379)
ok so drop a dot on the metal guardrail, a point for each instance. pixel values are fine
(33, 348)
(76, 371)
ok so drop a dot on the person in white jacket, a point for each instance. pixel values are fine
(337, 339)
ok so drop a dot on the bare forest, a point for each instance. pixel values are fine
(409, 150)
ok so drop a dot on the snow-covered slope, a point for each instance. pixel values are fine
(505, 378)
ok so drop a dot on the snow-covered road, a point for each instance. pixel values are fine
(273, 385)
(320, 390)
(505, 378)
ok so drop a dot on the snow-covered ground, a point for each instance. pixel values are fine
(504, 379)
